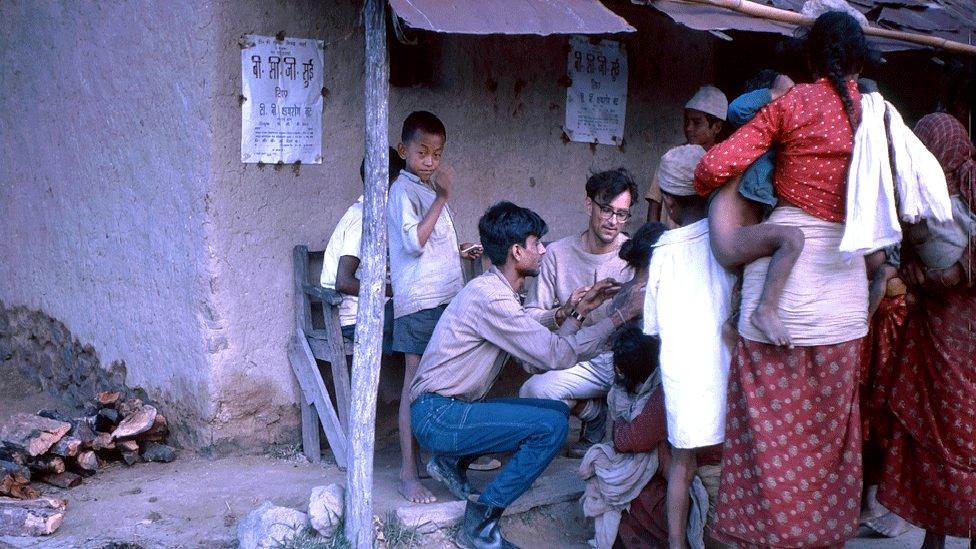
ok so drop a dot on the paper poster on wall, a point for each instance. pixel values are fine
(596, 101)
(281, 117)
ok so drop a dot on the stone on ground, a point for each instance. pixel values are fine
(154, 451)
(558, 484)
(325, 508)
(269, 525)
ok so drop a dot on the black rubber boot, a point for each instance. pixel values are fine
(591, 432)
(453, 472)
(479, 530)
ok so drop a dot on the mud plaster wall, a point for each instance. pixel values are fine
(103, 165)
(505, 143)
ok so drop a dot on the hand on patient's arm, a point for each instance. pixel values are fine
(562, 313)
(628, 305)
(596, 295)
(584, 301)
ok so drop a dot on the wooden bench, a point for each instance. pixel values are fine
(319, 337)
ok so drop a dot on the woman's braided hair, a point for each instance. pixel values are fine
(836, 47)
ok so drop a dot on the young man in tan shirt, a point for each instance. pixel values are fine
(481, 327)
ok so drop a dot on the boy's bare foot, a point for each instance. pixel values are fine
(412, 490)
(768, 322)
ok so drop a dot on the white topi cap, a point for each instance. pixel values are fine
(709, 100)
(676, 173)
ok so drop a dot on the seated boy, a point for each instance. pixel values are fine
(482, 326)
(340, 264)
(425, 266)
(687, 304)
(704, 119)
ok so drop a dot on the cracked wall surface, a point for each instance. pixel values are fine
(103, 168)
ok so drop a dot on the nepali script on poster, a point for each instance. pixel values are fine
(596, 101)
(281, 118)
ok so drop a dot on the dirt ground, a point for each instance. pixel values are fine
(197, 502)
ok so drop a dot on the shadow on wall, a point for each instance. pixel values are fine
(43, 350)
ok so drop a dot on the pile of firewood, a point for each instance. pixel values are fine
(54, 449)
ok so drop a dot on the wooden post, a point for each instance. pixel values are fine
(372, 279)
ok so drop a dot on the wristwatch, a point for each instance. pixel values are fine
(575, 314)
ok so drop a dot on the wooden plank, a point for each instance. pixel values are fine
(303, 313)
(327, 296)
(337, 362)
(368, 351)
(311, 445)
(310, 381)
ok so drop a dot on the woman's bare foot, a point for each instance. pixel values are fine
(413, 490)
(768, 322)
(888, 525)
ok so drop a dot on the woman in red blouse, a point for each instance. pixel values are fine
(791, 471)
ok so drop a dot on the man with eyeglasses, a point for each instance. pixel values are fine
(568, 268)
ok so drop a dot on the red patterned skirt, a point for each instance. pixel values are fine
(930, 471)
(878, 370)
(791, 468)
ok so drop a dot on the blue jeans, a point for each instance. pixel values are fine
(535, 429)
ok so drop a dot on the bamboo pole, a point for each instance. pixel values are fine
(372, 278)
(760, 11)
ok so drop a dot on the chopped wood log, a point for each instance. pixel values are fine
(155, 451)
(83, 428)
(34, 517)
(54, 414)
(106, 419)
(128, 407)
(12, 455)
(131, 458)
(47, 464)
(158, 432)
(127, 445)
(108, 398)
(103, 442)
(17, 487)
(66, 479)
(11, 468)
(136, 423)
(32, 433)
(87, 460)
(68, 446)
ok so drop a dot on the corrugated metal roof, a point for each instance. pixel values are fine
(941, 18)
(540, 17)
